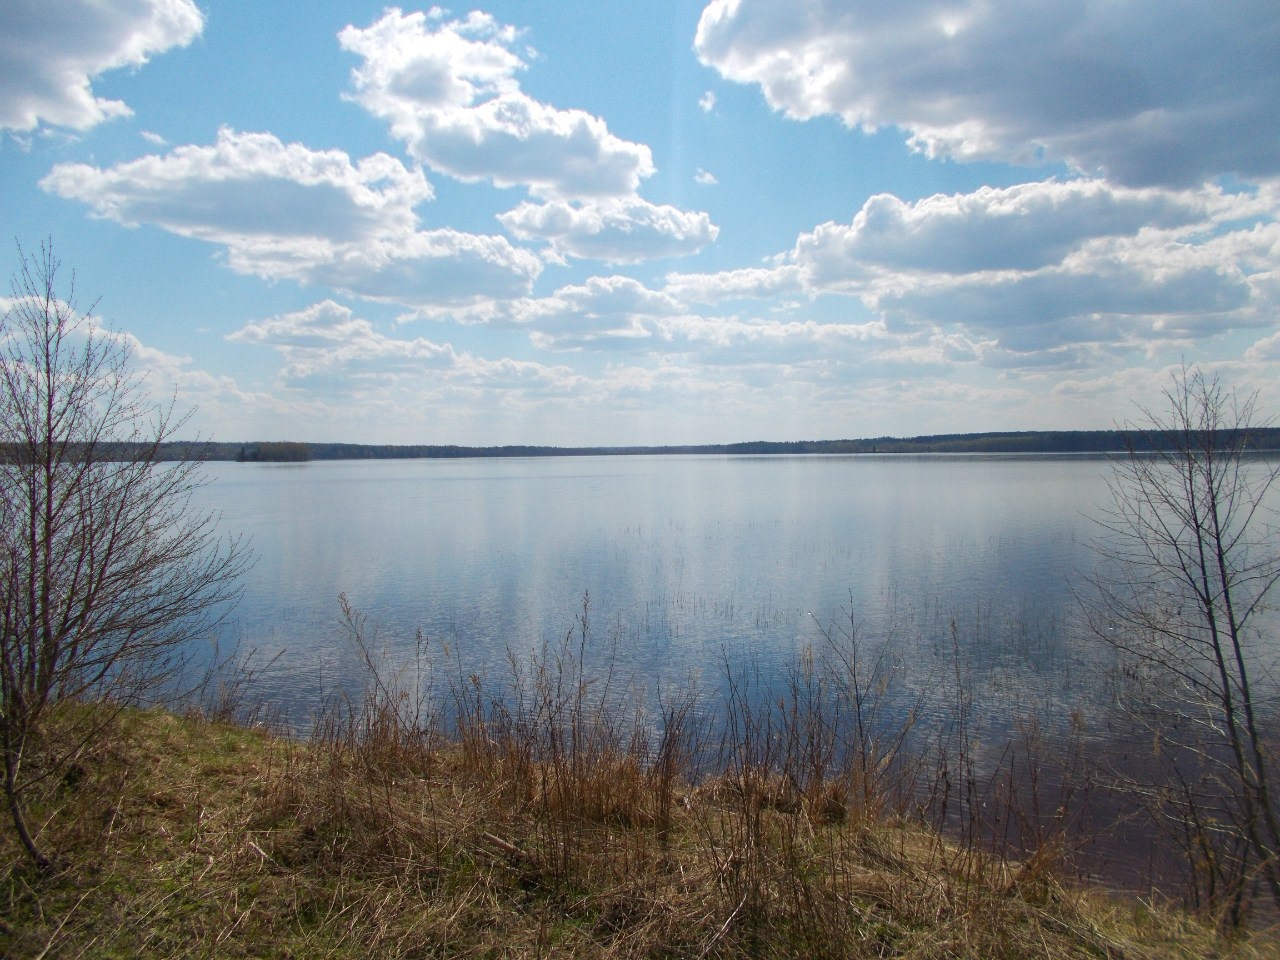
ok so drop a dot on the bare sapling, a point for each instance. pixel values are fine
(107, 574)
(1190, 559)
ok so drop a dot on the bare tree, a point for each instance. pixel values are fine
(1191, 557)
(106, 574)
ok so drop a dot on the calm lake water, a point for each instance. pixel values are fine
(689, 563)
(707, 574)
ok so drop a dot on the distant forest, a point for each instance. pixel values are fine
(1035, 441)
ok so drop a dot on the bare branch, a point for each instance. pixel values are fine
(106, 575)
(1189, 562)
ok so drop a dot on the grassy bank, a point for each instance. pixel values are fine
(184, 837)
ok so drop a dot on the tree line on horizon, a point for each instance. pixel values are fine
(1258, 440)
(1261, 439)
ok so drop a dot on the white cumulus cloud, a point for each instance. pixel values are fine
(1040, 267)
(1266, 349)
(1126, 293)
(619, 314)
(746, 283)
(448, 89)
(52, 50)
(285, 211)
(616, 231)
(1171, 92)
(327, 341)
(318, 327)
(613, 310)
(1023, 227)
(250, 184)
(1050, 274)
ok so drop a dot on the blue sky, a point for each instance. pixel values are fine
(594, 223)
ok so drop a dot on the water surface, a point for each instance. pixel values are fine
(688, 562)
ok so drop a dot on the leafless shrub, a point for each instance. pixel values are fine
(1191, 558)
(105, 574)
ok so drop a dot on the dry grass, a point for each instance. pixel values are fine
(188, 838)
(555, 817)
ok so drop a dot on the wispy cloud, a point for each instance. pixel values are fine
(330, 351)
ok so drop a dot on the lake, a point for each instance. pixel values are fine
(958, 575)
(689, 563)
